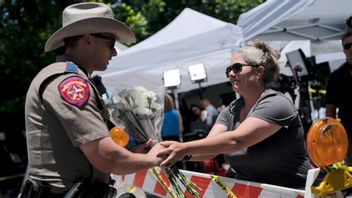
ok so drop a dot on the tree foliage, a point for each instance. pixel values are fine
(25, 25)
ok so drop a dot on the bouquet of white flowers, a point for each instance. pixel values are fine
(139, 112)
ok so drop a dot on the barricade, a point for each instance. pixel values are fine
(211, 189)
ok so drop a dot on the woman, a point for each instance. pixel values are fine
(199, 113)
(260, 133)
(172, 123)
(198, 123)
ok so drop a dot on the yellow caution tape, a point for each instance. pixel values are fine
(333, 167)
(162, 182)
(131, 189)
(321, 91)
(223, 186)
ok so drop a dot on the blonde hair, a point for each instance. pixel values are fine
(168, 103)
(261, 54)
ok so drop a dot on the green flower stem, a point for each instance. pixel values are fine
(191, 187)
(162, 182)
(174, 183)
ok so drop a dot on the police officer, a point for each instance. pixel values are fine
(66, 120)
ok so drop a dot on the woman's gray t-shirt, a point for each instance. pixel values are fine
(281, 159)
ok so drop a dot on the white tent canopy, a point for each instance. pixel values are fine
(313, 20)
(190, 38)
(193, 37)
(322, 22)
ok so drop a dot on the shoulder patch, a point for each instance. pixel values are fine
(74, 90)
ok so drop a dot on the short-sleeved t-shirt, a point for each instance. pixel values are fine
(338, 93)
(281, 159)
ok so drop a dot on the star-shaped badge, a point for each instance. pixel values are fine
(74, 90)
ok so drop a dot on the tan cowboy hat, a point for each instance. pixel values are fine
(83, 18)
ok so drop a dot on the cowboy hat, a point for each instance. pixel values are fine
(86, 18)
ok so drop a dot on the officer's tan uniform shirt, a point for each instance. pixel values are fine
(56, 128)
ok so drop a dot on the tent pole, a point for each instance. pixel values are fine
(200, 91)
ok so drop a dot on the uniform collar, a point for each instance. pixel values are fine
(64, 58)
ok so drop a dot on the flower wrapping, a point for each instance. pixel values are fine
(139, 111)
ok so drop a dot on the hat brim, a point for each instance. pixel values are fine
(88, 26)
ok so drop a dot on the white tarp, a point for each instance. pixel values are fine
(190, 38)
(320, 21)
(197, 38)
(314, 20)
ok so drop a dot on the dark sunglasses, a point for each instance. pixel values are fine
(105, 37)
(236, 68)
(347, 46)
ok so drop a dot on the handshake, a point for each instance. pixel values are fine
(164, 154)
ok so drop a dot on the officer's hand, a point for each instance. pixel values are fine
(142, 148)
(154, 153)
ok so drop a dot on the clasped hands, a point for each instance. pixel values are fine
(165, 153)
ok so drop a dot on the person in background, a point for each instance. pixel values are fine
(67, 123)
(221, 107)
(212, 112)
(172, 123)
(260, 133)
(338, 94)
(199, 125)
(199, 113)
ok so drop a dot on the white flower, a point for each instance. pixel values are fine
(140, 110)
(143, 111)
